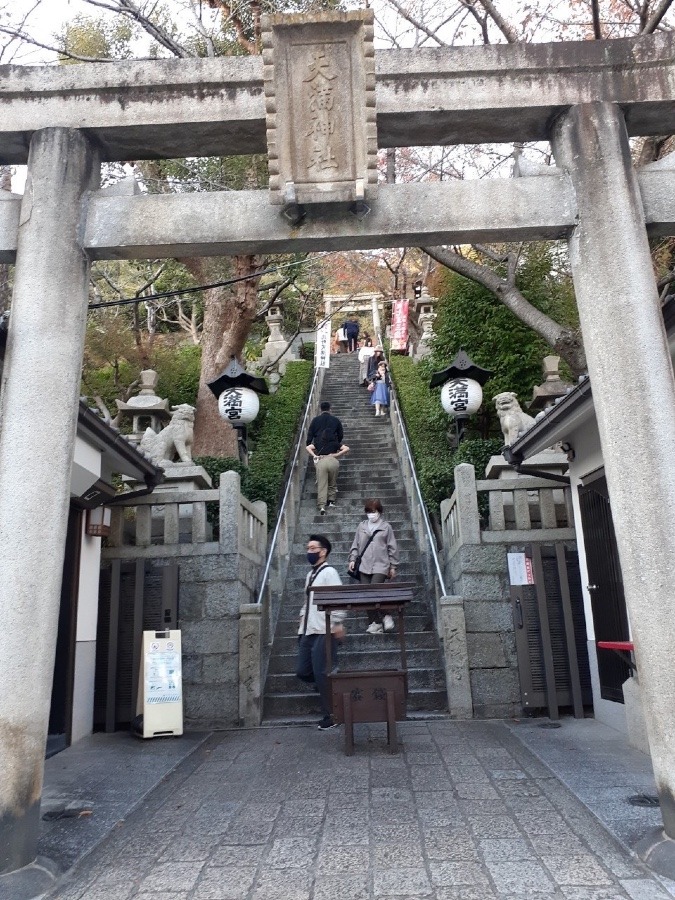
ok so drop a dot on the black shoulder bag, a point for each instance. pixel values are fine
(354, 573)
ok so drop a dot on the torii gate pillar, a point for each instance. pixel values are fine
(634, 398)
(42, 373)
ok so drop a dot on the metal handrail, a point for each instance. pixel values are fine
(275, 533)
(427, 523)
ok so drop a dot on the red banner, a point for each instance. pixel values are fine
(399, 325)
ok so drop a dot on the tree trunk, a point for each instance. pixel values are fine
(229, 313)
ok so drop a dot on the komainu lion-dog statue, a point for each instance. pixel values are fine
(511, 417)
(175, 439)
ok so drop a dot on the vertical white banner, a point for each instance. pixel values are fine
(322, 348)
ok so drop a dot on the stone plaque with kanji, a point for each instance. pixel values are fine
(320, 101)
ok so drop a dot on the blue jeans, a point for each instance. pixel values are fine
(311, 665)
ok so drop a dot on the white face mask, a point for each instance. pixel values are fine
(373, 517)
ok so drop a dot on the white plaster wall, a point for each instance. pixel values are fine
(90, 567)
(86, 467)
(86, 472)
(83, 693)
(588, 458)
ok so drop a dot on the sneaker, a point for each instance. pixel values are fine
(327, 723)
(375, 628)
(332, 504)
(322, 510)
(389, 624)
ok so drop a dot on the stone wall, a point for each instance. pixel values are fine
(479, 575)
(217, 590)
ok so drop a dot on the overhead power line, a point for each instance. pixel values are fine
(167, 295)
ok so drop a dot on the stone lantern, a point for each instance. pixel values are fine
(543, 395)
(424, 308)
(146, 409)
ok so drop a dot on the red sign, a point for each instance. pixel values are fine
(399, 325)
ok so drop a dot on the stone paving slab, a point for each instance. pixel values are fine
(463, 812)
(105, 776)
(599, 767)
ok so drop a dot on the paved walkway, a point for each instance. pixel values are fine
(464, 812)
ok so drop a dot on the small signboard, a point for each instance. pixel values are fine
(161, 684)
(520, 569)
(322, 348)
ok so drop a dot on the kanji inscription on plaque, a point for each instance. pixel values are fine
(320, 100)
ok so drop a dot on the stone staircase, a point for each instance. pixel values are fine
(371, 469)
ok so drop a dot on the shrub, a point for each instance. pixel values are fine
(279, 418)
(427, 426)
(215, 466)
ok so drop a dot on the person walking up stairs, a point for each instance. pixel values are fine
(325, 446)
(371, 469)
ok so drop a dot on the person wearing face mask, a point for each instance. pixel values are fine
(375, 544)
(311, 665)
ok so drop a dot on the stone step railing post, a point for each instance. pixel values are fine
(452, 629)
(467, 504)
(251, 626)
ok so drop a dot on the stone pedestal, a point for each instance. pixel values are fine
(552, 461)
(184, 477)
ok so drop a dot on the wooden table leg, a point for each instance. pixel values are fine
(391, 723)
(349, 725)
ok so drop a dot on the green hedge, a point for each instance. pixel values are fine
(427, 426)
(279, 417)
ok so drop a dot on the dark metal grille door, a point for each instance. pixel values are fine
(610, 620)
(133, 597)
(550, 633)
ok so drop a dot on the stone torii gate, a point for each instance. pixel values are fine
(585, 98)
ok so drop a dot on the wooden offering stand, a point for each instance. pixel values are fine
(370, 695)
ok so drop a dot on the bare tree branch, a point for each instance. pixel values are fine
(27, 39)
(420, 26)
(501, 23)
(280, 288)
(131, 11)
(655, 19)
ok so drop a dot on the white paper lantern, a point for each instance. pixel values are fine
(461, 396)
(238, 405)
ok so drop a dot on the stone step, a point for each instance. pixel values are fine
(343, 542)
(376, 658)
(413, 715)
(418, 679)
(301, 704)
(361, 642)
(355, 625)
